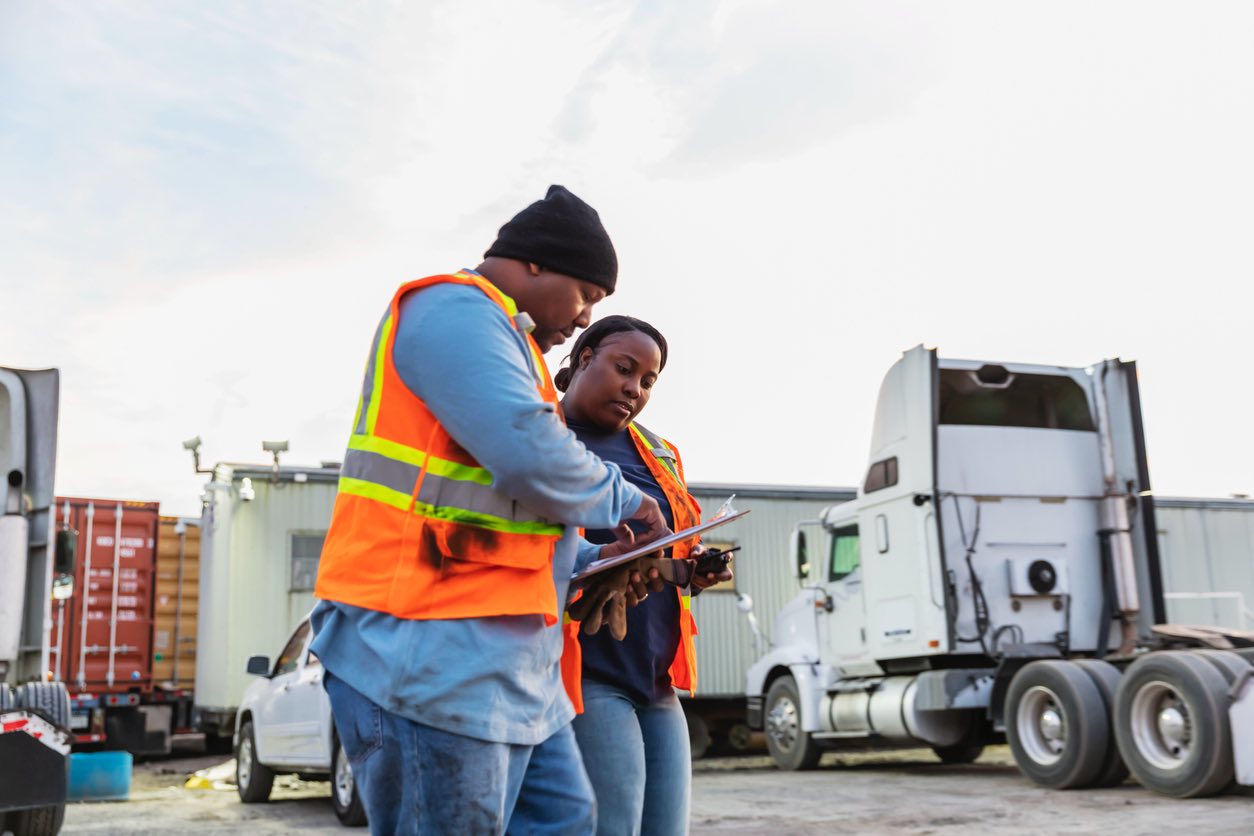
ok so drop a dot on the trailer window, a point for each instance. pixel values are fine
(1043, 401)
(306, 548)
(845, 552)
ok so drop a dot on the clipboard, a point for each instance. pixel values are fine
(598, 566)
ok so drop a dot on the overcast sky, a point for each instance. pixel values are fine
(204, 208)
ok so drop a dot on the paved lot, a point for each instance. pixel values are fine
(904, 792)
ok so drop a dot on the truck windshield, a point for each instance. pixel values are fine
(1043, 401)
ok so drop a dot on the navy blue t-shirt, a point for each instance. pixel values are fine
(639, 664)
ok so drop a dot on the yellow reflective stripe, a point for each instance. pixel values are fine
(649, 442)
(686, 600)
(396, 499)
(416, 457)
(376, 394)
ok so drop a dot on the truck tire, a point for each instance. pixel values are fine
(698, 735)
(344, 796)
(52, 701)
(48, 698)
(959, 752)
(1106, 677)
(1056, 724)
(1171, 721)
(253, 779)
(1230, 665)
(791, 747)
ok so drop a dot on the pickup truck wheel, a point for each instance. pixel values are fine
(1056, 724)
(1106, 678)
(253, 779)
(1171, 721)
(791, 747)
(344, 796)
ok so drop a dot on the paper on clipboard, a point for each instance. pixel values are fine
(598, 566)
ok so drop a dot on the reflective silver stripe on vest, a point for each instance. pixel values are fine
(663, 453)
(367, 385)
(436, 490)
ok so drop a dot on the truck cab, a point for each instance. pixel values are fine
(1005, 518)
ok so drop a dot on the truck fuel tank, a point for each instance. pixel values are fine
(936, 708)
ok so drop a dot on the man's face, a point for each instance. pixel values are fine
(559, 305)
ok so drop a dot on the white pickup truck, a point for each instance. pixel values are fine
(284, 725)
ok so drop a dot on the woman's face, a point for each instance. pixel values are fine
(611, 385)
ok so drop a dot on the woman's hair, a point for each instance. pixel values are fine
(596, 334)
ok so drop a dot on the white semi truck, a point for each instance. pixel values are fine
(997, 576)
(35, 715)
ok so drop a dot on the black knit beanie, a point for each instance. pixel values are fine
(563, 234)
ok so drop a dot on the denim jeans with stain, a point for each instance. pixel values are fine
(415, 779)
(638, 758)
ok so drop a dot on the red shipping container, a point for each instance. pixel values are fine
(102, 634)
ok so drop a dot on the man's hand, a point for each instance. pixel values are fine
(650, 514)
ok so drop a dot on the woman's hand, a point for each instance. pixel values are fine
(709, 578)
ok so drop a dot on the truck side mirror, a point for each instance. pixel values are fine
(800, 556)
(67, 552)
(259, 665)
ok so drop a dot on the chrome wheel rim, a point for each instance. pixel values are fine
(244, 765)
(1042, 725)
(1161, 727)
(783, 724)
(343, 780)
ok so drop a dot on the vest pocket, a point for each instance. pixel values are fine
(463, 544)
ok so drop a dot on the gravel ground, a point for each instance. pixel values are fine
(898, 792)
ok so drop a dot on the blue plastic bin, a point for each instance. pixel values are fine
(100, 776)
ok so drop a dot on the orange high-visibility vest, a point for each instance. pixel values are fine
(418, 531)
(663, 461)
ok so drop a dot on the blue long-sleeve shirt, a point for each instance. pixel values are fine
(499, 678)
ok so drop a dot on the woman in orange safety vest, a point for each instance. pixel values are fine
(632, 731)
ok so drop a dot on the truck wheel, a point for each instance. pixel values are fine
(52, 701)
(48, 698)
(698, 736)
(1056, 724)
(1229, 664)
(790, 746)
(1171, 721)
(253, 779)
(1106, 678)
(959, 752)
(344, 796)
(42, 821)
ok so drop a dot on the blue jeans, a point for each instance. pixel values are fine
(638, 760)
(421, 780)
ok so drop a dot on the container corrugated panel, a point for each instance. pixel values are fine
(102, 635)
(258, 561)
(177, 603)
(725, 645)
(1206, 547)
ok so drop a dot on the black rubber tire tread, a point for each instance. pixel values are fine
(1226, 662)
(1084, 714)
(7, 703)
(1246, 653)
(1205, 693)
(699, 739)
(804, 753)
(48, 698)
(42, 821)
(354, 815)
(1106, 677)
(262, 781)
(959, 752)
